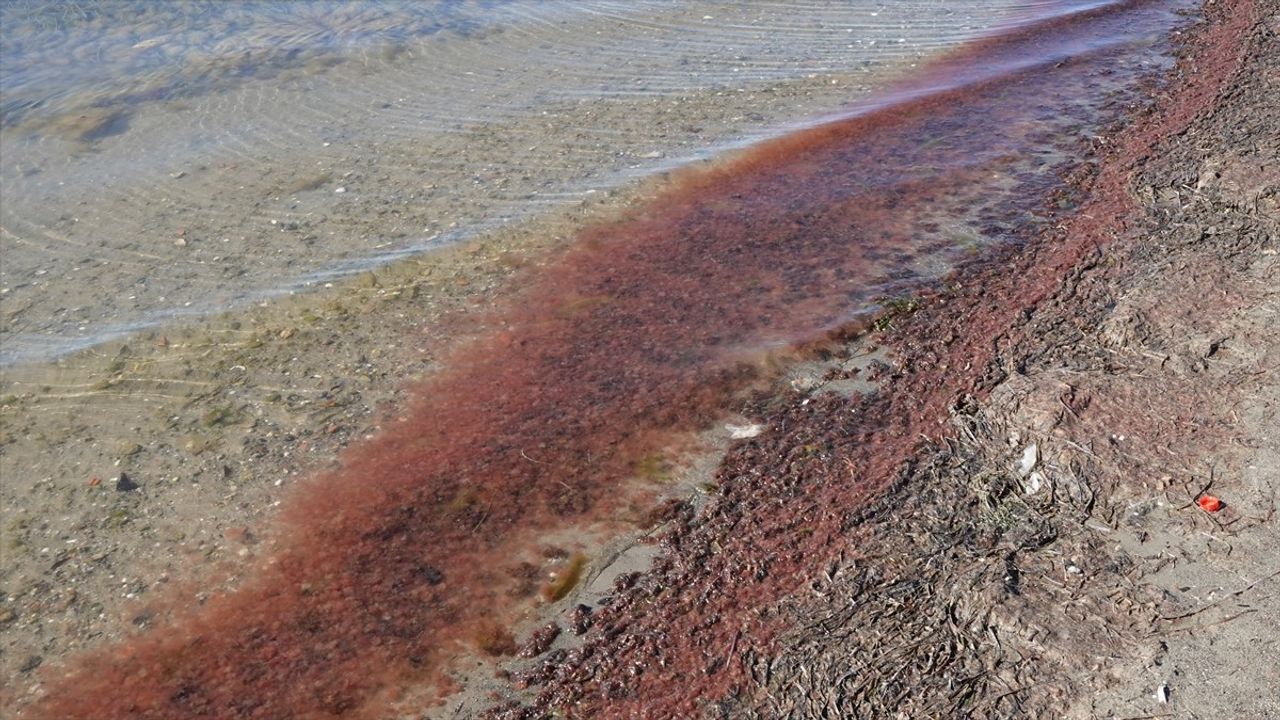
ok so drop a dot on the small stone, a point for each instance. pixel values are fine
(805, 383)
(31, 663)
(125, 484)
(580, 619)
(180, 242)
(340, 190)
(195, 444)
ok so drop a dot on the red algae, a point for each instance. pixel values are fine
(411, 552)
(779, 520)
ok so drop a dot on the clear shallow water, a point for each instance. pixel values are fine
(171, 159)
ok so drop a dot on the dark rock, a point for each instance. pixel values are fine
(125, 484)
(580, 619)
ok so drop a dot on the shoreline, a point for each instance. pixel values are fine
(285, 177)
(353, 418)
(1016, 562)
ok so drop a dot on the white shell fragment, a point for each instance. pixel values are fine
(742, 432)
(1030, 456)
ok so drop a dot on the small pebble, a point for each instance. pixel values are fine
(125, 484)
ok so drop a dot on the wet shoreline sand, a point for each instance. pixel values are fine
(219, 416)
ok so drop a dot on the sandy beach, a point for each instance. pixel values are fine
(984, 481)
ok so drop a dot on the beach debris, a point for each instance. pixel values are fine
(563, 582)
(1030, 457)
(1162, 693)
(1034, 482)
(742, 432)
(1210, 503)
(580, 619)
(340, 189)
(95, 481)
(540, 641)
(805, 383)
(494, 640)
(126, 484)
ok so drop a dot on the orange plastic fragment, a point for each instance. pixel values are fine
(1209, 503)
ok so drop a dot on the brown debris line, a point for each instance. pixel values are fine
(391, 565)
(789, 501)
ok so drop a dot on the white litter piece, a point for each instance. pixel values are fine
(742, 432)
(1030, 456)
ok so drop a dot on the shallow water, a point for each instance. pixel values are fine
(163, 160)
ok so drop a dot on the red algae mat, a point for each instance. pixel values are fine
(646, 328)
(792, 504)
